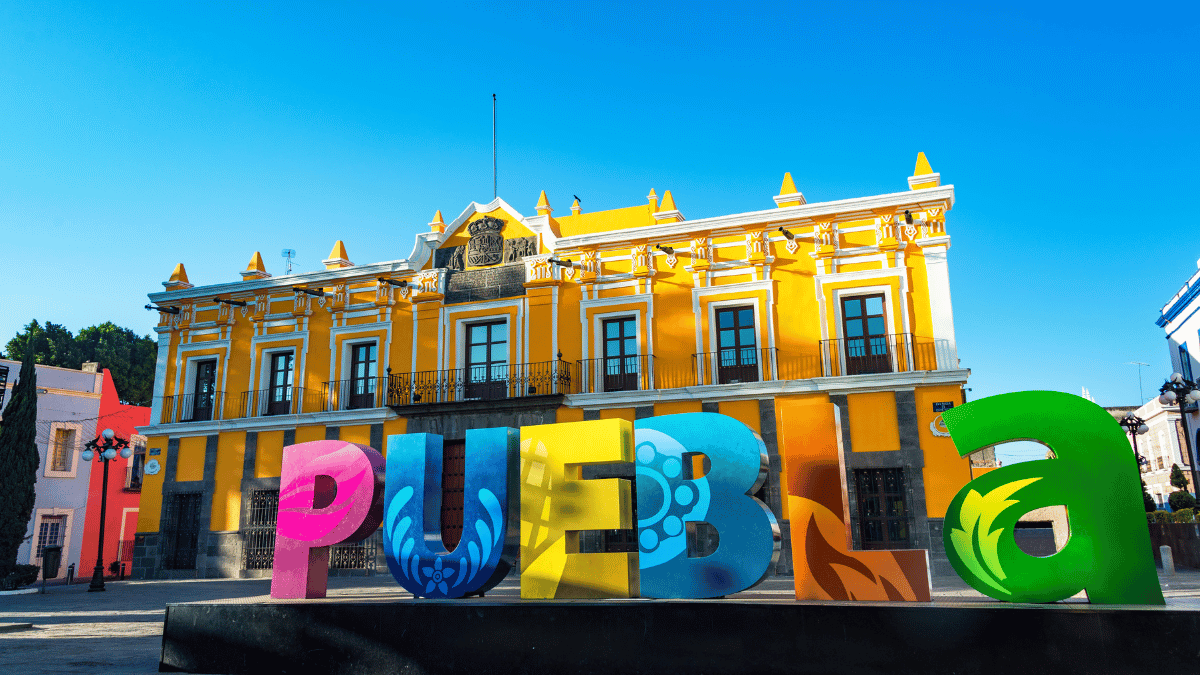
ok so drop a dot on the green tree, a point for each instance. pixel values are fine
(129, 357)
(1177, 478)
(18, 465)
(1151, 506)
(1181, 500)
(52, 345)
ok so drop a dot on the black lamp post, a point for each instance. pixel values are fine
(104, 452)
(1135, 426)
(1182, 391)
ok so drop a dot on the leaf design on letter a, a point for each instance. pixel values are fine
(975, 519)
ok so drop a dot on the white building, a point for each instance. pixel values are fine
(1180, 318)
(68, 404)
(1162, 446)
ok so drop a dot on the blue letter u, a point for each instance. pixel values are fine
(412, 506)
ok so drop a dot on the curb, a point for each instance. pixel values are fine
(19, 591)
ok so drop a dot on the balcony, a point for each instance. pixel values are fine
(736, 366)
(280, 401)
(193, 407)
(355, 393)
(617, 373)
(480, 383)
(896, 353)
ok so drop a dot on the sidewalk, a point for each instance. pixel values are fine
(120, 630)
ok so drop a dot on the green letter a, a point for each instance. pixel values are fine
(1094, 474)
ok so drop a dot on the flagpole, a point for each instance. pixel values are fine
(495, 193)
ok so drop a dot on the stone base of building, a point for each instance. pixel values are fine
(664, 637)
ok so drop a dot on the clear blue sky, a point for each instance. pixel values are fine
(136, 136)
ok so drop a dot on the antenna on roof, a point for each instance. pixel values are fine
(288, 254)
(1139, 364)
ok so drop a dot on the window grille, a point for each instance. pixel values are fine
(259, 533)
(882, 508)
(181, 531)
(50, 532)
(259, 538)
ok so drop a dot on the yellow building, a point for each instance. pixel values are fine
(498, 318)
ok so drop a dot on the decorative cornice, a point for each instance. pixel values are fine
(942, 240)
(935, 178)
(849, 384)
(859, 208)
(269, 423)
(780, 200)
(285, 283)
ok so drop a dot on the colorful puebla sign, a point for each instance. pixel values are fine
(525, 498)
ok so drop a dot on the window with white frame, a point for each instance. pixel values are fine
(622, 363)
(198, 399)
(737, 344)
(51, 532)
(359, 386)
(133, 470)
(62, 449)
(62, 444)
(275, 398)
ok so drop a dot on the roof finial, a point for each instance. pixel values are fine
(923, 175)
(338, 258)
(178, 280)
(667, 213)
(788, 194)
(256, 269)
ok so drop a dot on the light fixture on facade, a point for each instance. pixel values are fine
(788, 235)
(560, 263)
(907, 217)
(169, 310)
(235, 303)
(315, 292)
(665, 249)
(392, 282)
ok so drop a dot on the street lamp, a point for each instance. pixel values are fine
(1135, 426)
(104, 452)
(1184, 391)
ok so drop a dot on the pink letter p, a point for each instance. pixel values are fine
(330, 492)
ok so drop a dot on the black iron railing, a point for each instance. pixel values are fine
(480, 383)
(615, 373)
(355, 393)
(193, 407)
(200, 407)
(736, 365)
(894, 353)
(280, 401)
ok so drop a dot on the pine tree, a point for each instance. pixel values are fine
(1147, 500)
(1177, 478)
(18, 465)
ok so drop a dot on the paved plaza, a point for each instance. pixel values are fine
(120, 630)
